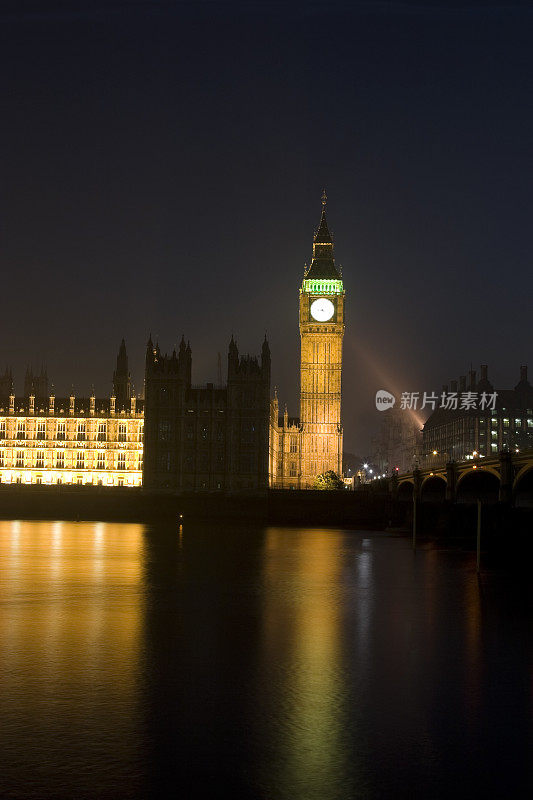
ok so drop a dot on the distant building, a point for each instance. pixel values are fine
(457, 434)
(301, 448)
(206, 437)
(398, 445)
(70, 440)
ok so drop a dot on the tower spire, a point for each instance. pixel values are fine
(323, 235)
(323, 263)
(122, 378)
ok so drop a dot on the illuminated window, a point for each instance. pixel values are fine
(60, 460)
(39, 459)
(141, 432)
(81, 432)
(292, 470)
(121, 461)
(102, 432)
(20, 459)
(294, 444)
(61, 430)
(505, 423)
(122, 431)
(3, 429)
(41, 430)
(2, 459)
(80, 460)
(21, 429)
(101, 461)
(140, 464)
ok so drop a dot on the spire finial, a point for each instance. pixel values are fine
(324, 199)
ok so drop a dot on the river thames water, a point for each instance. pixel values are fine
(214, 660)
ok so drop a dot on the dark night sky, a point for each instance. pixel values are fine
(162, 165)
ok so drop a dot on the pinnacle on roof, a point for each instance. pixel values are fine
(323, 264)
(323, 235)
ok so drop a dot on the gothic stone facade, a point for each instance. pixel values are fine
(70, 440)
(206, 437)
(197, 438)
(302, 448)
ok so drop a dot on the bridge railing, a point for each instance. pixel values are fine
(431, 461)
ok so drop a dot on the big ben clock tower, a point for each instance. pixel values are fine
(321, 334)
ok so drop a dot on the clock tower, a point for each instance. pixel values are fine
(321, 334)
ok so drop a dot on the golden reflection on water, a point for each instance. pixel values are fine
(302, 626)
(70, 573)
(70, 627)
(309, 664)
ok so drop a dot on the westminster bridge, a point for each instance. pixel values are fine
(506, 477)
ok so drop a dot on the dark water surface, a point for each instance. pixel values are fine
(257, 662)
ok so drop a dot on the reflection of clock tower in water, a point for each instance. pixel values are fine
(321, 333)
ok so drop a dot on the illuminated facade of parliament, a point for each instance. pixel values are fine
(70, 440)
(182, 437)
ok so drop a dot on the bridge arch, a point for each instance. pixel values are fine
(477, 468)
(478, 484)
(433, 489)
(405, 490)
(522, 471)
(523, 487)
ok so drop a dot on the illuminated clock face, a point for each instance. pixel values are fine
(322, 309)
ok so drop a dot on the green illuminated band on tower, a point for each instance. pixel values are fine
(322, 286)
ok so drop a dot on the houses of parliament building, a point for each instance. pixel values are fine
(71, 440)
(180, 437)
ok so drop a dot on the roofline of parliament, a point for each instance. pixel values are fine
(199, 438)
